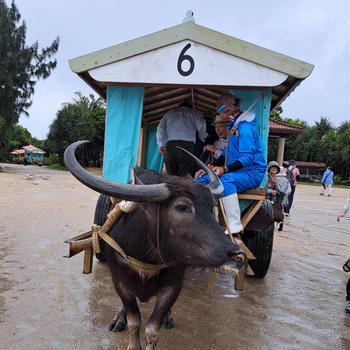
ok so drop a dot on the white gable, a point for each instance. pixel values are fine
(197, 65)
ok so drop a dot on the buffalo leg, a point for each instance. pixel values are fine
(118, 323)
(166, 297)
(168, 321)
(133, 318)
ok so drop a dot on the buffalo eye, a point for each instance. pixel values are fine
(183, 208)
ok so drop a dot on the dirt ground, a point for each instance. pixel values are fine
(47, 303)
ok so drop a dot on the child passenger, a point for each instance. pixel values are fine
(277, 191)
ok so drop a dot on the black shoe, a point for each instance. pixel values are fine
(280, 228)
(347, 308)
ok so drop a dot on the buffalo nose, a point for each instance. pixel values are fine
(240, 258)
(235, 251)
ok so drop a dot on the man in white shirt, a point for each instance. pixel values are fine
(179, 128)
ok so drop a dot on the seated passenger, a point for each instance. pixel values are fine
(212, 154)
(275, 192)
(245, 164)
(284, 185)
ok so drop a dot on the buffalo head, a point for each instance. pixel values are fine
(176, 212)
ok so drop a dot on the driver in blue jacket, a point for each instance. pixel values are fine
(245, 164)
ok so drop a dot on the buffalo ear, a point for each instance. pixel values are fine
(138, 181)
(134, 178)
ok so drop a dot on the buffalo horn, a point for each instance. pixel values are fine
(136, 193)
(215, 185)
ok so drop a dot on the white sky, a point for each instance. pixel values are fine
(315, 31)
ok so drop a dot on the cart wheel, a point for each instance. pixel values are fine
(260, 243)
(103, 207)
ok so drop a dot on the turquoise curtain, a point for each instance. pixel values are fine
(154, 157)
(122, 131)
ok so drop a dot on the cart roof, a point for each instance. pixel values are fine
(33, 149)
(225, 62)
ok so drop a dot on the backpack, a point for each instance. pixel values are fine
(290, 177)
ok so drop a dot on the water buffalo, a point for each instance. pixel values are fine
(171, 224)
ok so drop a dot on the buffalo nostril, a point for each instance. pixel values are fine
(232, 254)
(240, 258)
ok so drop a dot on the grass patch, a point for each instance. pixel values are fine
(56, 167)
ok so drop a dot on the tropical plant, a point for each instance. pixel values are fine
(20, 67)
(80, 120)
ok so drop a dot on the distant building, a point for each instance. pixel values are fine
(281, 131)
(28, 155)
(18, 155)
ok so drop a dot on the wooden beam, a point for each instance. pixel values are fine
(251, 212)
(164, 94)
(165, 101)
(159, 110)
(205, 99)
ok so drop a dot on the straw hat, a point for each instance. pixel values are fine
(218, 120)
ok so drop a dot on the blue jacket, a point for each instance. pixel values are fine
(328, 177)
(246, 147)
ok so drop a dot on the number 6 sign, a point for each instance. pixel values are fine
(183, 58)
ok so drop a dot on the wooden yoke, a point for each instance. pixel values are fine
(89, 241)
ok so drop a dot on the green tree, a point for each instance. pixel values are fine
(276, 114)
(342, 165)
(16, 138)
(80, 120)
(20, 67)
(323, 126)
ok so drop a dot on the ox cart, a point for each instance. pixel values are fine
(146, 77)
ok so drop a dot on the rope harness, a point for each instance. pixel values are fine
(101, 232)
(90, 243)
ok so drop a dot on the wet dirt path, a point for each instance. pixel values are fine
(47, 303)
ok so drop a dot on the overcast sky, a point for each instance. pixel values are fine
(315, 31)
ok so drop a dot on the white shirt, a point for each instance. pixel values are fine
(181, 124)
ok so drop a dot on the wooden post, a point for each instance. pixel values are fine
(280, 154)
(211, 282)
(88, 255)
(239, 280)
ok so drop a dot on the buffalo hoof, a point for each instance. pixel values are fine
(168, 321)
(118, 323)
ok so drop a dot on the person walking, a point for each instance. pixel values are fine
(293, 174)
(346, 266)
(327, 182)
(285, 188)
(179, 128)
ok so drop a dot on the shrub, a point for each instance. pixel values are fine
(337, 179)
(52, 159)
